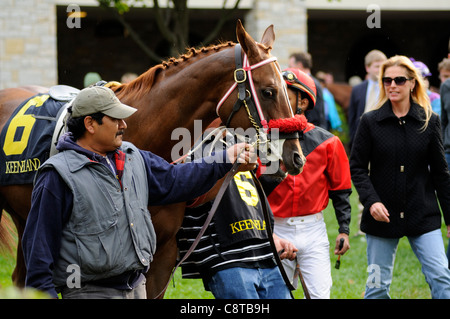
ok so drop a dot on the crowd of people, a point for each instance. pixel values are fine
(397, 159)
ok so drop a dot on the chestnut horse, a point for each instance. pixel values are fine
(169, 96)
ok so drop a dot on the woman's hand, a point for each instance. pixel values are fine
(379, 212)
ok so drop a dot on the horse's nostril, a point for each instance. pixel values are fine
(297, 159)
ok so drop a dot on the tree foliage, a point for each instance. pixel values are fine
(172, 22)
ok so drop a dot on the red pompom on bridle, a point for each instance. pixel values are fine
(289, 125)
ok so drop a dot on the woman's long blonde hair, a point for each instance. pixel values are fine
(418, 95)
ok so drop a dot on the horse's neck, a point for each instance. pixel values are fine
(175, 102)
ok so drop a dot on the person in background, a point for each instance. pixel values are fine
(444, 76)
(354, 80)
(316, 113)
(444, 69)
(331, 112)
(398, 168)
(91, 78)
(435, 98)
(365, 94)
(128, 77)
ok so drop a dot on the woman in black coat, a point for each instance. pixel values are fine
(398, 166)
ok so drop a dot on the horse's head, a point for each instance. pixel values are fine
(262, 98)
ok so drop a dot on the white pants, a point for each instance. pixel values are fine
(309, 235)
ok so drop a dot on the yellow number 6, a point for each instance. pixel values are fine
(12, 147)
(248, 192)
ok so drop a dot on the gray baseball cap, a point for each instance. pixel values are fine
(100, 99)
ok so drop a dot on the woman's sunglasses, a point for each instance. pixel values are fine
(399, 80)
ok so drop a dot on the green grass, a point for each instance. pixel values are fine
(7, 255)
(348, 282)
(6, 268)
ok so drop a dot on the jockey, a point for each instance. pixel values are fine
(298, 201)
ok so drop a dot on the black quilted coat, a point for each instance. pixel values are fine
(407, 170)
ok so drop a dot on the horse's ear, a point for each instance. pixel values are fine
(246, 41)
(268, 37)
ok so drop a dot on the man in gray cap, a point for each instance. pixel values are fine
(89, 233)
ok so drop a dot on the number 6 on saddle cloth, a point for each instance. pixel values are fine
(27, 135)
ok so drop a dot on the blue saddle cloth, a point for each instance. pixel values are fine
(25, 139)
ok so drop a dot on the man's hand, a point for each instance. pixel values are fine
(345, 247)
(288, 248)
(245, 154)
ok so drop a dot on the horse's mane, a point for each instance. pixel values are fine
(192, 52)
(143, 83)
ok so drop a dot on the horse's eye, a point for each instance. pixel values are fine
(268, 93)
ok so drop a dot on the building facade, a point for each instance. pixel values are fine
(28, 53)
